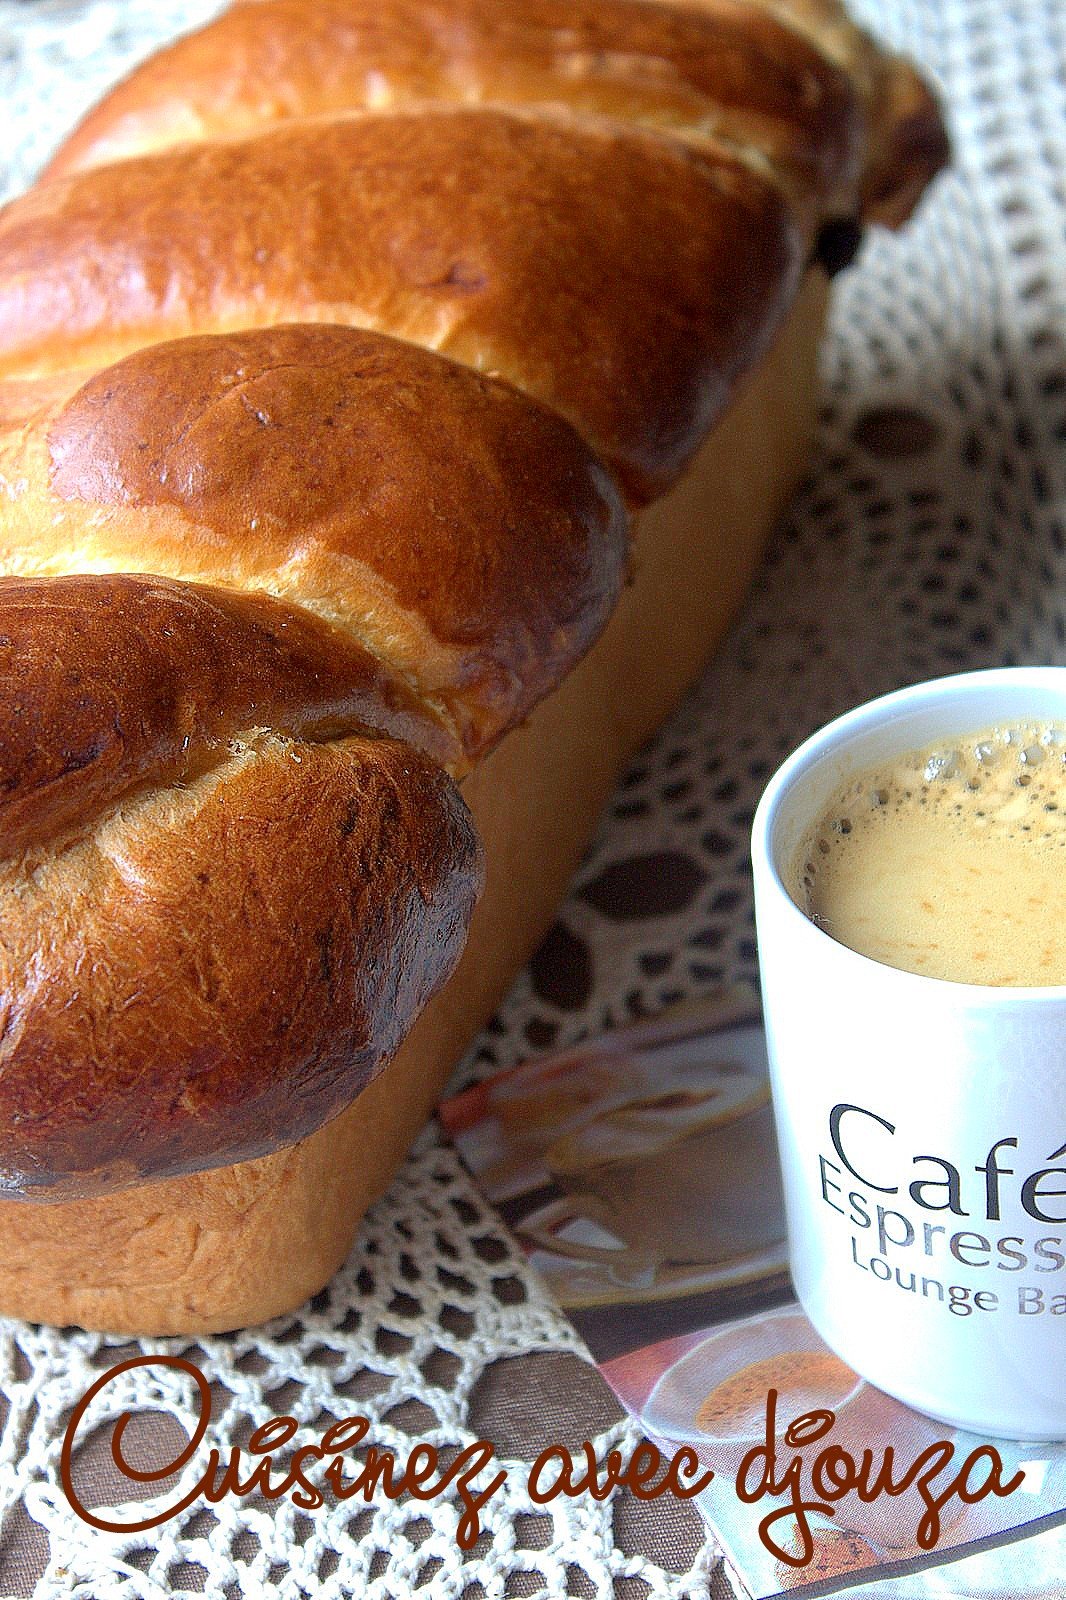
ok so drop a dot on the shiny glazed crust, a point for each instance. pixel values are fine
(111, 1079)
(795, 80)
(490, 236)
(233, 1245)
(320, 411)
(464, 535)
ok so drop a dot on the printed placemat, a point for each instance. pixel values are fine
(639, 1172)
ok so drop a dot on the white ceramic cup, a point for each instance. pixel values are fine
(921, 1122)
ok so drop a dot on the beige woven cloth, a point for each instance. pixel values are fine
(928, 537)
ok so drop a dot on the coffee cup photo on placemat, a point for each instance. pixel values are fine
(655, 1173)
(639, 1167)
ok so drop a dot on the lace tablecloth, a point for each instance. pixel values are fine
(929, 537)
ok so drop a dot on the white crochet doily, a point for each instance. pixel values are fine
(929, 537)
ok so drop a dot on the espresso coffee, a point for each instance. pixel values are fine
(949, 861)
(805, 1380)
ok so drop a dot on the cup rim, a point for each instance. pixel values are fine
(864, 718)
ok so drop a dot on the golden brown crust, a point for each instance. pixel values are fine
(907, 142)
(730, 70)
(213, 933)
(911, 146)
(852, 124)
(113, 683)
(258, 945)
(461, 531)
(196, 974)
(235, 1245)
(495, 238)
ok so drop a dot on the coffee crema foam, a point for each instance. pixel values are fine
(949, 861)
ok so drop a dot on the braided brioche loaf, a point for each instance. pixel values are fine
(341, 349)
